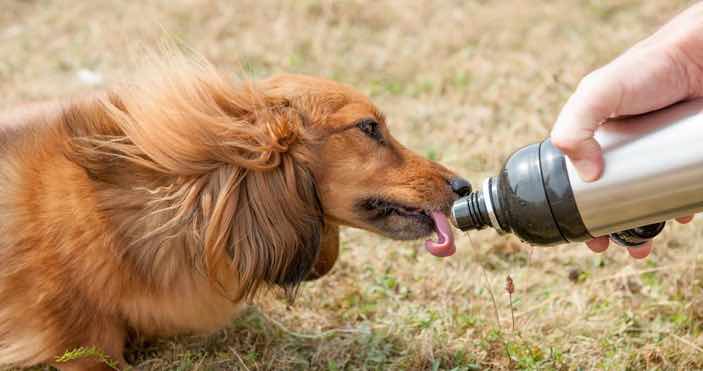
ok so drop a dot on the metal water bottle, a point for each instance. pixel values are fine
(653, 173)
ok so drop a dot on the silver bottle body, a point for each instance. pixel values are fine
(653, 170)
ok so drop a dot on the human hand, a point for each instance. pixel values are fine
(657, 72)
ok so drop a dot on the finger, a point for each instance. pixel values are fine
(641, 80)
(685, 219)
(586, 156)
(640, 252)
(596, 98)
(599, 244)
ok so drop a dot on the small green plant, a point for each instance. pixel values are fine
(466, 321)
(432, 155)
(425, 319)
(87, 352)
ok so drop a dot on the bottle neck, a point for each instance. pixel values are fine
(479, 209)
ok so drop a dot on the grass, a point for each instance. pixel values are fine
(464, 83)
(87, 353)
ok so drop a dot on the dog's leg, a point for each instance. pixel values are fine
(329, 252)
(109, 339)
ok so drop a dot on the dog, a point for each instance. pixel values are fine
(160, 206)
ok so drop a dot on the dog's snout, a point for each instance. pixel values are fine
(460, 186)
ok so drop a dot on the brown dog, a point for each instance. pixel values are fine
(158, 207)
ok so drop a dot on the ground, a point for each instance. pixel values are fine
(462, 82)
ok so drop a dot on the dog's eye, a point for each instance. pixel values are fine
(370, 128)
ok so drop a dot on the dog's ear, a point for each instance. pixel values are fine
(272, 216)
(329, 252)
(277, 227)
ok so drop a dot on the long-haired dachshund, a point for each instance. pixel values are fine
(159, 207)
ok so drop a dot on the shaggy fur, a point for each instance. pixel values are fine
(159, 207)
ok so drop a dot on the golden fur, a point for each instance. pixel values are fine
(158, 207)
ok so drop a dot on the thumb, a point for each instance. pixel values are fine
(585, 154)
(595, 100)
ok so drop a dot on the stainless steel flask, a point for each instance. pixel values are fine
(653, 173)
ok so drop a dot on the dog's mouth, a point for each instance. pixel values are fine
(406, 222)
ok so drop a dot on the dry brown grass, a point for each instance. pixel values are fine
(464, 82)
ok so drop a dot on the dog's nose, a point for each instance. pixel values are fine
(460, 186)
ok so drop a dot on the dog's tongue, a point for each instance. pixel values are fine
(444, 246)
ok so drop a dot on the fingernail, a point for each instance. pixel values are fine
(589, 171)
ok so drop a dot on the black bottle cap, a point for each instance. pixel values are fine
(637, 236)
